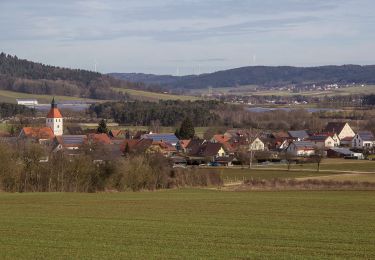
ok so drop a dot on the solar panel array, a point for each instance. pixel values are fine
(366, 136)
(73, 139)
(168, 138)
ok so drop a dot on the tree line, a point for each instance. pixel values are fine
(10, 110)
(25, 168)
(169, 113)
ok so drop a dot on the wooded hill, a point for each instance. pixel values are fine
(36, 78)
(260, 75)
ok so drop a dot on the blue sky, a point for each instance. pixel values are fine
(188, 36)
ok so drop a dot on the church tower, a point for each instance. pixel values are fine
(54, 119)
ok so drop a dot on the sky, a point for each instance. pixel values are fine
(182, 37)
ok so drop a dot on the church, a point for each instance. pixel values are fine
(54, 119)
(54, 126)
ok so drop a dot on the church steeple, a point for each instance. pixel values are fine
(54, 119)
(53, 103)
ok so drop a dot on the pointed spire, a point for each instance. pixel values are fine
(53, 103)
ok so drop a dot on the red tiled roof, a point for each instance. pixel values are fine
(221, 138)
(54, 113)
(100, 138)
(38, 132)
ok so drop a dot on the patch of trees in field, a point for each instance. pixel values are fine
(169, 113)
(10, 110)
(25, 168)
(36, 78)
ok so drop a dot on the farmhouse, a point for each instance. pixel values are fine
(342, 129)
(322, 141)
(363, 140)
(301, 148)
(299, 135)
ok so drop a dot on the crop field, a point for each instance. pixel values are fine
(188, 223)
(11, 96)
(152, 96)
(334, 165)
(240, 174)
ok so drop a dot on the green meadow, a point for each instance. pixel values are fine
(189, 224)
(153, 96)
(11, 96)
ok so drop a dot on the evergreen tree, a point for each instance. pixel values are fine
(102, 127)
(186, 130)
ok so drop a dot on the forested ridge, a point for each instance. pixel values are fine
(35, 78)
(260, 75)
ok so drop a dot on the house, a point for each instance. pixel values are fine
(334, 136)
(38, 134)
(301, 148)
(339, 152)
(322, 141)
(277, 139)
(164, 148)
(363, 140)
(75, 130)
(299, 135)
(119, 134)
(220, 138)
(136, 145)
(69, 142)
(168, 138)
(342, 129)
(182, 145)
(207, 152)
(256, 145)
(98, 139)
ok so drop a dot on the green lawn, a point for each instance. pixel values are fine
(11, 96)
(152, 96)
(188, 224)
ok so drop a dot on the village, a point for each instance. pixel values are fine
(235, 147)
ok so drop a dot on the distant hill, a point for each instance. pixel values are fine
(35, 78)
(260, 75)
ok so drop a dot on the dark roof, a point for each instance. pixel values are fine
(335, 127)
(343, 151)
(304, 144)
(300, 134)
(209, 149)
(194, 145)
(71, 140)
(75, 130)
(168, 138)
(136, 145)
(318, 138)
(366, 136)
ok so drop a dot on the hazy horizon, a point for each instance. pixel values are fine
(188, 37)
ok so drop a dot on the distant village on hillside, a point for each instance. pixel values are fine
(234, 147)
